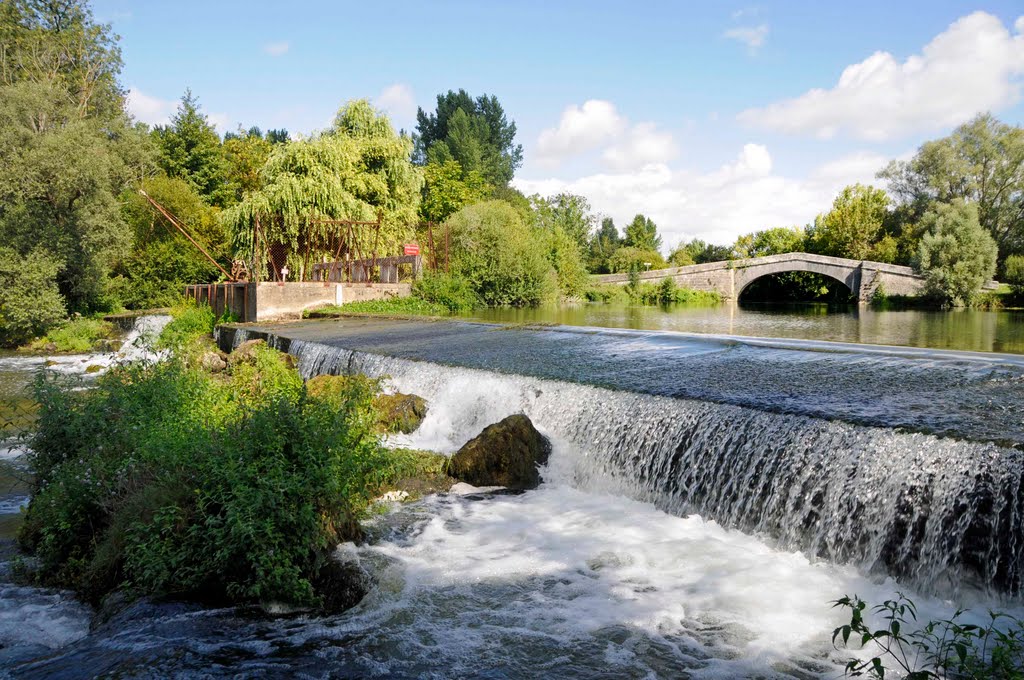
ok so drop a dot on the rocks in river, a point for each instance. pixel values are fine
(213, 362)
(107, 345)
(244, 353)
(401, 412)
(506, 453)
(93, 368)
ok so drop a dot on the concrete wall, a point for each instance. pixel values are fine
(250, 302)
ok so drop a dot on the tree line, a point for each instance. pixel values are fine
(77, 237)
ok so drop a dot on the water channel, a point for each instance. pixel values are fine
(707, 497)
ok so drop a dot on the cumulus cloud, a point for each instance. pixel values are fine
(974, 65)
(739, 197)
(751, 36)
(598, 125)
(149, 110)
(277, 49)
(398, 100)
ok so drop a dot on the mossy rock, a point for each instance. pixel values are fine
(93, 368)
(400, 412)
(245, 353)
(506, 453)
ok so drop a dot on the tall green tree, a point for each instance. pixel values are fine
(603, 244)
(569, 212)
(854, 227)
(245, 154)
(67, 149)
(474, 132)
(642, 233)
(190, 149)
(447, 189)
(774, 241)
(981, 162)
(357, 169)
(957, 255)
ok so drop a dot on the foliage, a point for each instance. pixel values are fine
(939, 649)
(702, 252)
(981, 162)
(603, 244)
(642, 234)
(854, 226)
(607, 292)
(628, 258)
(453, 293)
(245, 154)
(567, 260)
(473, 132)
(190, 149)
(500, 256)
(956, 255)
(77, 336)
(354, 171)
(30, 303)
(666, 292)
(447, 189)
(1013, 270)
(189, 321)
(680, 256)
(568, 212)
(775, 241)
(167, 480)
(162, 260)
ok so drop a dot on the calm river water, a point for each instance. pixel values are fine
(965, 329)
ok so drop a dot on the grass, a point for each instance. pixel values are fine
(405, 306)
(76, 336)
(647, 293)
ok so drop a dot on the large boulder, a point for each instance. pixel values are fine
(245, 353)
(400, 412)
(506, 454)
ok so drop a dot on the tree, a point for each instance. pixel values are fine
(854, 227)
(642, 233)
(66, 147)
(774, 241)
(566, 258)
(603, 245)
(981, 162)
(568, 212)
(956, 255)
(629, 259)
(473, 132)
(1014, 273)
(447, 189)
(30, 302)
(191, 149)
(357, 169)
(702, 251)
(500, 256)
(245, 154)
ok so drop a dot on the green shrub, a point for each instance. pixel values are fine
(630, 259)
(500, 256)
(189, 321)
(609, 292)
(406, 306)
(78, 335)
(1013, 273)
(30, 303)
(167, 480)
(936, 649)
(454, 293)
(956, 255)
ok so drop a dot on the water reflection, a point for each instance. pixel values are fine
(962, 329)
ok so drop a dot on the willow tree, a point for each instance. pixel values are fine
(359, 170)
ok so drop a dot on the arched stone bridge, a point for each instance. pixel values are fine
(729, 278)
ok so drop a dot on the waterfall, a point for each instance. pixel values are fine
(943, 515)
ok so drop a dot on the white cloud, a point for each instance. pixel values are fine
(642, 144)
(751, 36)
(598, 125)
(974, 65)
(150, 110)
(398, 100)
(277, 49)
(739, 197)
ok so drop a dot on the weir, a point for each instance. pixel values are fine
(873, 485)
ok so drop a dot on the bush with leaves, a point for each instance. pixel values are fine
(956, 255)
(948, 648)
(30, 303)
(164, 479)
(454, 293)
(635, 259)
(1013, 274)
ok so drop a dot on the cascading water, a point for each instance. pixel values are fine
(941, 514)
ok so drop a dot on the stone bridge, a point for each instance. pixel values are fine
(730, 278)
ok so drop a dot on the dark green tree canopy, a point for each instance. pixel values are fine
(190, 148)
(642, 233)
(474, 132)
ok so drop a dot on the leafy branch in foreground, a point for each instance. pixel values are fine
(940, 649)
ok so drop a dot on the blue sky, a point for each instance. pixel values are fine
(715, 119)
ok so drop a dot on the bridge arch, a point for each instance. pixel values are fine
(848, 276)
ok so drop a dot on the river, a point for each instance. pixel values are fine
(706, 498)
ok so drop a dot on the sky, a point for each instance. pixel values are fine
(715, 119)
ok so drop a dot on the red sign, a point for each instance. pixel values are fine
(412, 249)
